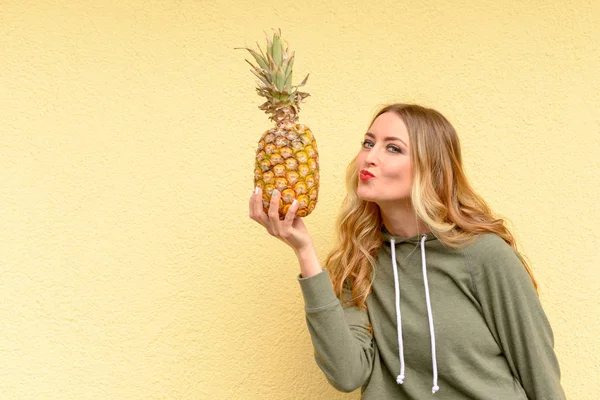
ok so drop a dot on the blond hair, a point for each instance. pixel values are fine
(441, 197)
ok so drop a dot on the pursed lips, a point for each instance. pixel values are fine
(365, 175)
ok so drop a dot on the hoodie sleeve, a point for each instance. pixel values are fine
(340, 334)
(515, 316)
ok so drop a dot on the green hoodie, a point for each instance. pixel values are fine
(485, 335)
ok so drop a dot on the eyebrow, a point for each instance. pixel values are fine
(387, 138)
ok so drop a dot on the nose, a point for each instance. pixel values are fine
(372, 157)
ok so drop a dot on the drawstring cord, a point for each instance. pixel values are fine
(400, 378)
(435, 387)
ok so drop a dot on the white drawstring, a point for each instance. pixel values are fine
(400, 378)
(435, 387)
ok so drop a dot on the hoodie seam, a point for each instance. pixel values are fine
(472, 274)
(493, 331)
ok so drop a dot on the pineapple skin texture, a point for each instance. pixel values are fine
(287, 159)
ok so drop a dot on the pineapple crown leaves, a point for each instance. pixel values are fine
(273, 69)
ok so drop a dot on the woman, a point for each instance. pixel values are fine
(428, 292)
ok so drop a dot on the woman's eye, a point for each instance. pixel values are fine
(367, 144)
(394, 149)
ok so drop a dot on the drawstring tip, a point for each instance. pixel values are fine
(435, 389)
(400, 379)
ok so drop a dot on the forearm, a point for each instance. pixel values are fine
(308, 260)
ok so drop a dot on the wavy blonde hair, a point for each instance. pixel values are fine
(441, 196)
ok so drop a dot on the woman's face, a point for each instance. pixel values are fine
(384, 163)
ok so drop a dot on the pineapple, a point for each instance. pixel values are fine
(287, 157)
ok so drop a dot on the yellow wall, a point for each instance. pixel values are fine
(128, 266)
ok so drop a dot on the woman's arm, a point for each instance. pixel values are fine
(341, 336)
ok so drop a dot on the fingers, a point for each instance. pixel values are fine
(274, 213)
(271, 220)
(256, 207)
(291, 214)
(251, 204)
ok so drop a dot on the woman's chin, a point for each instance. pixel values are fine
(365, 196)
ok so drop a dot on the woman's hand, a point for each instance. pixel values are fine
(290, 230)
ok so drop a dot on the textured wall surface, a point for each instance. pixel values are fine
(128, 266)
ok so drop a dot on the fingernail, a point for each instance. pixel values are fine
(274, 192)
(256, 190)
(294, 202)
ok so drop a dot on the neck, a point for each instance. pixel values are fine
(401, 220)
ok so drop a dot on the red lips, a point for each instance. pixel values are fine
(365, 175)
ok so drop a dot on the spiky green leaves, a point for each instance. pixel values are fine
(274, 72)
